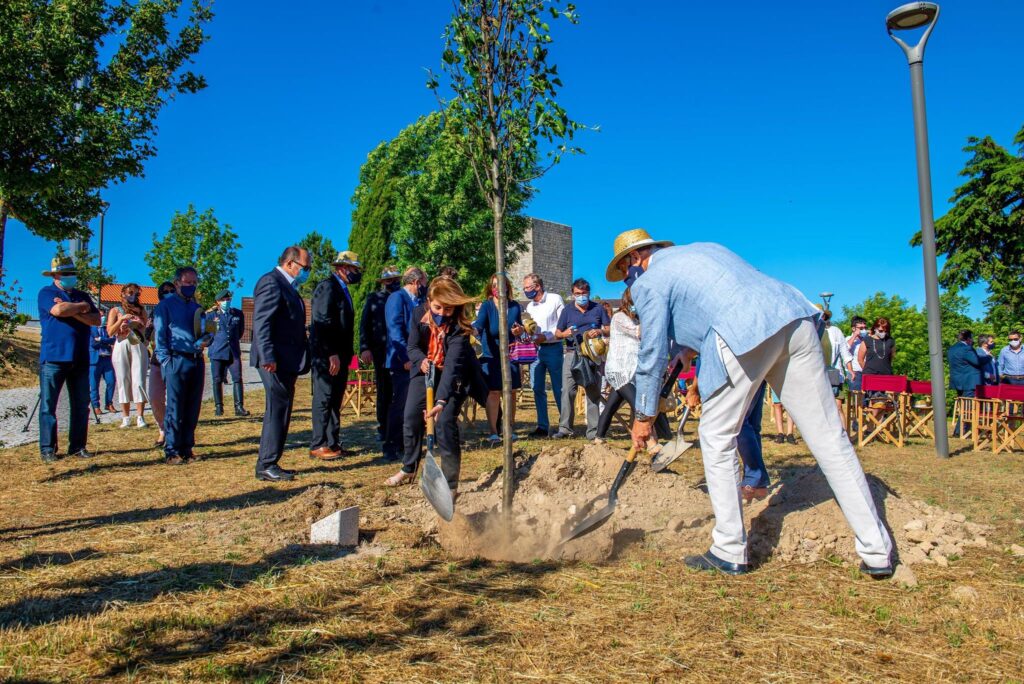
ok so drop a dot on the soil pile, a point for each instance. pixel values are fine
(800, 521)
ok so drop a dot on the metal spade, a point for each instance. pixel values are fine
(673, 448)
(597, 519)
(433, 483)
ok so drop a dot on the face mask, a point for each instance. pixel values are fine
(581, 300)
(530, 294)
(165, 295)
(1014, 344)
(632, 310)
(632, 274)
(225, 306)
(354, 277)
(132, 299)
(421, 291)
(863, 333)
(881, 334)
(103, 320)
(301, 278)
(393, 286)
(494, 292)
(68, 281)
(188, 291)
(439, 319)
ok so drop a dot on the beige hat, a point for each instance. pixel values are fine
(347, 257)
(624, 244)
(61, 265)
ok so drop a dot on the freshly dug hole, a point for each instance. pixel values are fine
(556, 489)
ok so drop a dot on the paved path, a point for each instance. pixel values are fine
(12, 434)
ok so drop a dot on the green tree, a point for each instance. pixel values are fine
(372, 226)
(90, 276)
(200, 241)
(81, 85)
(496, 60)
(982, 236)
(909, 331)
(322, 255)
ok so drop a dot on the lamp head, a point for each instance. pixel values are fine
(911, 16)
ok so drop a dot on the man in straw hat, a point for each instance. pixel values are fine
(747, 327)
(66, 317)
(331, 340)
(373, 341)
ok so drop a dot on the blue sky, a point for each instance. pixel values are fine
(781, 132)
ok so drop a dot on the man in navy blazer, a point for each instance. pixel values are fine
(964, 372)
(280, 350)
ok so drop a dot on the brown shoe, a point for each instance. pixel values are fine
(325, 454)
(174, 460)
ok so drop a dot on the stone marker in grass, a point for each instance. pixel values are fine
(340, 528)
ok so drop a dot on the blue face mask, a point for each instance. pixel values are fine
(68, 281)
(165, 295)
(863, 333)
(225, 306)
(301, 278)
(531, 294)
(632, 310)
(581, 300)
(188, 291)
(439, 319)
(632, 274)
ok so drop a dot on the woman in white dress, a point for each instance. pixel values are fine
(127, 324)
(620, 368)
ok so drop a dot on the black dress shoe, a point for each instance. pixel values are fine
(876, 573)
(48, 457)
(218, 410)
(275, 474)
(539, 433)
(241, 412)
(83, 453)
(709, 561)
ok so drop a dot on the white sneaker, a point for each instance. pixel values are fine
(140, 421)
(126, 421)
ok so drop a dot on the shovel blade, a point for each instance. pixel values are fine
(672, 450)
(435, 488)
(591, 523)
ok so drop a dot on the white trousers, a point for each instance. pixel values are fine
(791, 361)
(131, 363)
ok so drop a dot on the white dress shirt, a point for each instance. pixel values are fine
(545, 313)
(840, 350)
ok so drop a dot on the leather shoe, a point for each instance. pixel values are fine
(83, 453)
(48, 457)
(274, 474)
(709, 561)
(325, 453)
(539, 433)
(174, 460)
(876, 573)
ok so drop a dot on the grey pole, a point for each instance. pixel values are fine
(915, 57)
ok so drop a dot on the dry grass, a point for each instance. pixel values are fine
(24, 370)
(125, 568)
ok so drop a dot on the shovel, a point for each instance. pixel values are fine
(673, 448)
(597, 519)
(432, 480)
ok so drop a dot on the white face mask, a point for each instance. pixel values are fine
(1014, 344)
(881, 334)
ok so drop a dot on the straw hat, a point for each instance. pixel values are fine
(62, 265)
(624, 244)
(349, 258)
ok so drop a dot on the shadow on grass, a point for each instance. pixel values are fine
(267, 495)
(49, 559)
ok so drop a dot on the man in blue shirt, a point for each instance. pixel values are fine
(226, 353)
(101, 367)
(581, 318)
(989, 371)
(178, 329)
(1011, 361)
(66, 316)
(398, 314)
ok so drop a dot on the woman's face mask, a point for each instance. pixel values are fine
(132, 299)
(881, 334)
(439, 319)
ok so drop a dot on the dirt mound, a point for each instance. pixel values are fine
(800, 521)
(293, 518)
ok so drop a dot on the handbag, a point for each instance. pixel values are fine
(584, 371)
(523, 353)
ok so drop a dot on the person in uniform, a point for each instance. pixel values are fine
(226, 353)
(373, 342)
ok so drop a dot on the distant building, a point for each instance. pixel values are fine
(548, 253)
(110, 296)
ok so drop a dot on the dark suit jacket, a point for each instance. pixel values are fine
(333, 327)
(279, 326)
(461, 373)
(373, 327)
(964, 367)
(227, 342)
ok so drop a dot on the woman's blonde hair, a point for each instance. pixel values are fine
(446, 291)
(626, 303)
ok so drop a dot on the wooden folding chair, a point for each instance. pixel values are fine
(1009, 419)
(918, 411)
(361, 391)
(888, 425)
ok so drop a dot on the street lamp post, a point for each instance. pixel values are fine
(912, 16)
(103, 218)
(826, 297)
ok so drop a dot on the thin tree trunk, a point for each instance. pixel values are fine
(508, 471)
(3, 231)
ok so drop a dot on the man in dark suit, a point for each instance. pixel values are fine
(373, 342)
(226, 353)
(280, 350)
(964, 372)
(331, 341)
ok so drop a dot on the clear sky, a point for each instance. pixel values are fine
(782, 130)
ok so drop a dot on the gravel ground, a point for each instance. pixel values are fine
(11, 426)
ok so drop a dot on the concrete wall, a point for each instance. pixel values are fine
(548, 253)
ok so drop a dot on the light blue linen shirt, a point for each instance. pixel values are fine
(1011, 362)
(691, 292)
